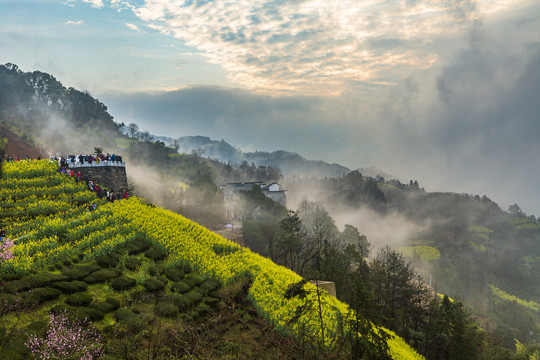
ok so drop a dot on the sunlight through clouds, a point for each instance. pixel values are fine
(310, 46)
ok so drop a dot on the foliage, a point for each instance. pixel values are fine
(117, 224)
(6, 250)
(505, 296)
(66, 339)
(428, 253)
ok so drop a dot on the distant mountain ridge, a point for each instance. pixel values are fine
(290, 163)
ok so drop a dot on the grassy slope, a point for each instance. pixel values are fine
(66, 231)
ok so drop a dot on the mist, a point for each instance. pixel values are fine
(380, 227)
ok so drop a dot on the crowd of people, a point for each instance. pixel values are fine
(88, 159)
(10, 158)
(110, 195)
(101, 192)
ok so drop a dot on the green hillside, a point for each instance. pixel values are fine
(128, 261)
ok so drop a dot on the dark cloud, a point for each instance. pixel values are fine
(469, 123)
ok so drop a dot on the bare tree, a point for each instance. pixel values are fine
(145, 136)
(176, 144)
(133, 130)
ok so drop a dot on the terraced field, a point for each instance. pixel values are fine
(98, 264)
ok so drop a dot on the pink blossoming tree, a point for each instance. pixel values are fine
(6, 250)
(67, 340)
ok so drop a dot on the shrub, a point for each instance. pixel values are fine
(181, 301)
(102, 306)
(116, 255)
(70, 287)
(123, 283)
(166, 309)
(83, 340)
(81, 271)
(202, 309)
(180, 287)
(192, 298)
(155, 254)
(210, 285)
(114, 303)
(101, 275)
(106, 261)
(174, 274)
(79, 299)
(156, 269)
(163, 279)
(153, 285)
(11, 276)
(136, 247)
(211, 301)
(133, 322)
(34, 281)
(132, 263)
(92, 313)
(200, 291)
(40, 295)
(190, 282)
(142, 296)
(78, 313)
(195, 278)
(8, 303)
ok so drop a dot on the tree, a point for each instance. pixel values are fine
(292, 249)
(98, 151)
(516, 211)
(366, 342)
(395, 286)
(67, 340)
(176, 144)
(3, 149)
(352, 236)
(145, 136)
(133, 130)
(320, 228)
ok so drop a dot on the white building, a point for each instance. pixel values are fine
(232, 199)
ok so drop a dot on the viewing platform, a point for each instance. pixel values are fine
(105, 163)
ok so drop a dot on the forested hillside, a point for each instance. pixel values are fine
(50, 232)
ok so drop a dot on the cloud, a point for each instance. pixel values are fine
(133, 27)
(98, 4)
(469, 124)
(73, 22)
(314, 46)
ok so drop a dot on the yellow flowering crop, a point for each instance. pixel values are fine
(112, 224)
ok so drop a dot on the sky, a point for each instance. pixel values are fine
(446, 92)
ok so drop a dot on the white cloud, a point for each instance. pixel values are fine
(313, 46)
(95, 3)
(73, 22)
(133, 27)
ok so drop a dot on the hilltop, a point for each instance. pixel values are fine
(290, 163)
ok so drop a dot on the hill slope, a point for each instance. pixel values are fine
(45, 213)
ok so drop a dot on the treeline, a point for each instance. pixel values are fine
(381, 287)
(350, 191)
(201, 200)
(44, 109)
